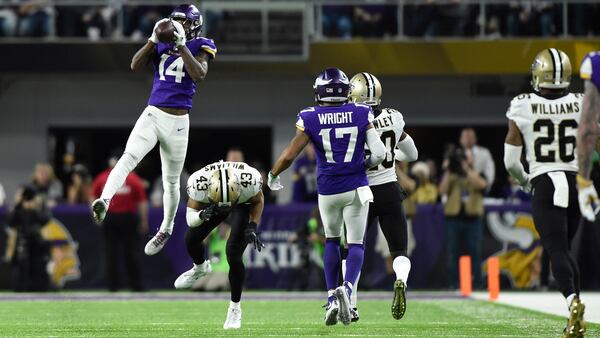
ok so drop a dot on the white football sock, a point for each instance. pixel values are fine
(234, 305)
(401, 267)
(170, 202)
(118, 174)
(570, 300)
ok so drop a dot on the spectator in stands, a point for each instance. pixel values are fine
(98, 22)
(483, 163)
(216, 243)
(79, 189)
(426, 192)
(8, 22)
(375, 21)
(463, 188)
(123, 225)
(337, 21)
(47, 186)
(2, 196)
(305, 177)
(35, 18)
(25, 248)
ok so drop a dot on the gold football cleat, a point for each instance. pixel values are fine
(399, 303)
(576, 325)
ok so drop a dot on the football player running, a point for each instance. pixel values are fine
(177, 68)
(388, 196)
(587, 137)
(213, 192)
(339, 131)
(546, 121)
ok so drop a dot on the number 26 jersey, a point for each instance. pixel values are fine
(549, 129)
(250, 180)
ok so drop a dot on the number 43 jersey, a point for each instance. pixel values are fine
(173, 86)
(549, 129)
(250, 180)
(389, 123)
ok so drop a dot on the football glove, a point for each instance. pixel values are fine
(153, 38)
(207, 213)
(274, 182)
(589, 204)
(179, 33)
(251, 237)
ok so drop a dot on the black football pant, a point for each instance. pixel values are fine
(557, 227)
(387, 207)
(236, 245)
(121, 238)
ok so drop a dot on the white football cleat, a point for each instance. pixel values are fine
(188, 278)
(234, 318)
(157, 242)
(99, 209)
(344, 302)
(331, 313)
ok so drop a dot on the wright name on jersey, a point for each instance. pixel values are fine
(390, 126)
(549, 129)
(250, 181)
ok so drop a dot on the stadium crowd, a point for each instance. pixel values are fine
(40, 18)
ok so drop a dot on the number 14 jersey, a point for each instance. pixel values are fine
(549, 129)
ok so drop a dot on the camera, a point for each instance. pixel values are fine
(455, 156)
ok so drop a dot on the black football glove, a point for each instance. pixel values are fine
(251, 237)
(206, 213)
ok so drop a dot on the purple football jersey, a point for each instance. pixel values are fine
(338, 134)
(590, 68)
(173, 86)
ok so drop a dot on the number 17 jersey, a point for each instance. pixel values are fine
(549, 129)
(338, 134)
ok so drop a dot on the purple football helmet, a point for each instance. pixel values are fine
(332, 85)
(191, 19)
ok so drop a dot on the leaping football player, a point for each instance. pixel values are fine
(388, 196)
(213, 192)
(178, 65)
(339, 131)
(546, 122)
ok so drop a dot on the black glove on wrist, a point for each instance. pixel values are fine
(251, 237)
(206, 213)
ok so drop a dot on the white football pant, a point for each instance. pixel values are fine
(154, 125)
(350, 208)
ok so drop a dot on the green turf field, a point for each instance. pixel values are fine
(139, 318)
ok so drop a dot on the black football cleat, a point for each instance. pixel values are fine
(399, 303)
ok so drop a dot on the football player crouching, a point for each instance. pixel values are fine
(213, 192)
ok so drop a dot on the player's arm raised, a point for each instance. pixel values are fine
(288, 155)
(513, 146)
(196, 66)
(588, 134)
(143, 56)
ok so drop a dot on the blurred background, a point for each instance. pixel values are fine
(68, 102)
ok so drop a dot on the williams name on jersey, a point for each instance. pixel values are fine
(250, 181)
(389, 123)
(549, 128)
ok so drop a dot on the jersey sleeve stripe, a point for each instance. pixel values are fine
(299, 127)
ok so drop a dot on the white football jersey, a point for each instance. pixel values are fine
(549, 129)
(390, 126)
(250, 180)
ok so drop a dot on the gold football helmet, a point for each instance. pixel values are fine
(366, 89)
(224, 187)
(551, 69)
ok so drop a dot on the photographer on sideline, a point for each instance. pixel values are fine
(462, 188)
(26, 249)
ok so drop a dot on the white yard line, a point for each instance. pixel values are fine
(547, 302)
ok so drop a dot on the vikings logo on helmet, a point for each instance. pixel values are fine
(190, 18)
(332, 85)
(551, 69)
